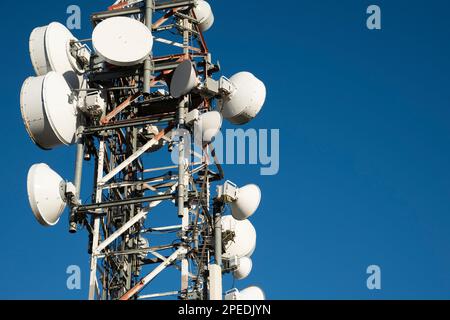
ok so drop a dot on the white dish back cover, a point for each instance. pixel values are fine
(122, 41)
(44, 194)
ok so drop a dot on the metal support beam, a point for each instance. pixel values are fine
(122, 203)
(77, 181)
(134, 157)
(159, 295)
(93, 288)
(145, 281)
(129, 224)
(148, 62)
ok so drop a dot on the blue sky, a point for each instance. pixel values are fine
(365, 135)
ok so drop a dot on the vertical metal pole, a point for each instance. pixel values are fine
(183, 212)
(218, 239)
(79, 167)
(185, 261)
(96, 229)
(216, 278)
(148, 61)
(77, 180)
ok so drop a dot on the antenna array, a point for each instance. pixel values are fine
(122, 106)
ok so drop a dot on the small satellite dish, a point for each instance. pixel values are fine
(247, 202)
(204, 15)
(184, 79)
(122, 41)
(207, 127)
(245, 103)
(46, 194)
(244, 269)
(50, 51)
(48, 112)
(249, 294)
(244, 242)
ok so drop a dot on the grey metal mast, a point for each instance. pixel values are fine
(128, 251)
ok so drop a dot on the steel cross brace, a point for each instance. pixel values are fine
(131, 223)
(135, 156)
(151, 276)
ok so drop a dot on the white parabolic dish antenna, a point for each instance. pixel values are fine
(49, 116)
(248, 201)
(204, 15)
(244, 243)
(50, 51)
(244, 269)
(184, 79)
(45, 193)
(122, 41)
(245, 103)
(208, 127)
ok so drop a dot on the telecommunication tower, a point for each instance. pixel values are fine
(124, 105)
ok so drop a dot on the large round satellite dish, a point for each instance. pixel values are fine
(244, 269)
(45, 193)
(48, 112)
(184, 79)
(50, 51)
(245, 103)
(208, 127)
(204, 14)
(248, 201)
(122, 41)
(244, 242)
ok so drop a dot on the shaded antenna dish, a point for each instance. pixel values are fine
(48, 113)
(244, 242)
(208, 127)
(247, 100)
(204, 14)
(122, 41)
(50, 51)
(247, 202)
(184, 80)
(46, 194)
